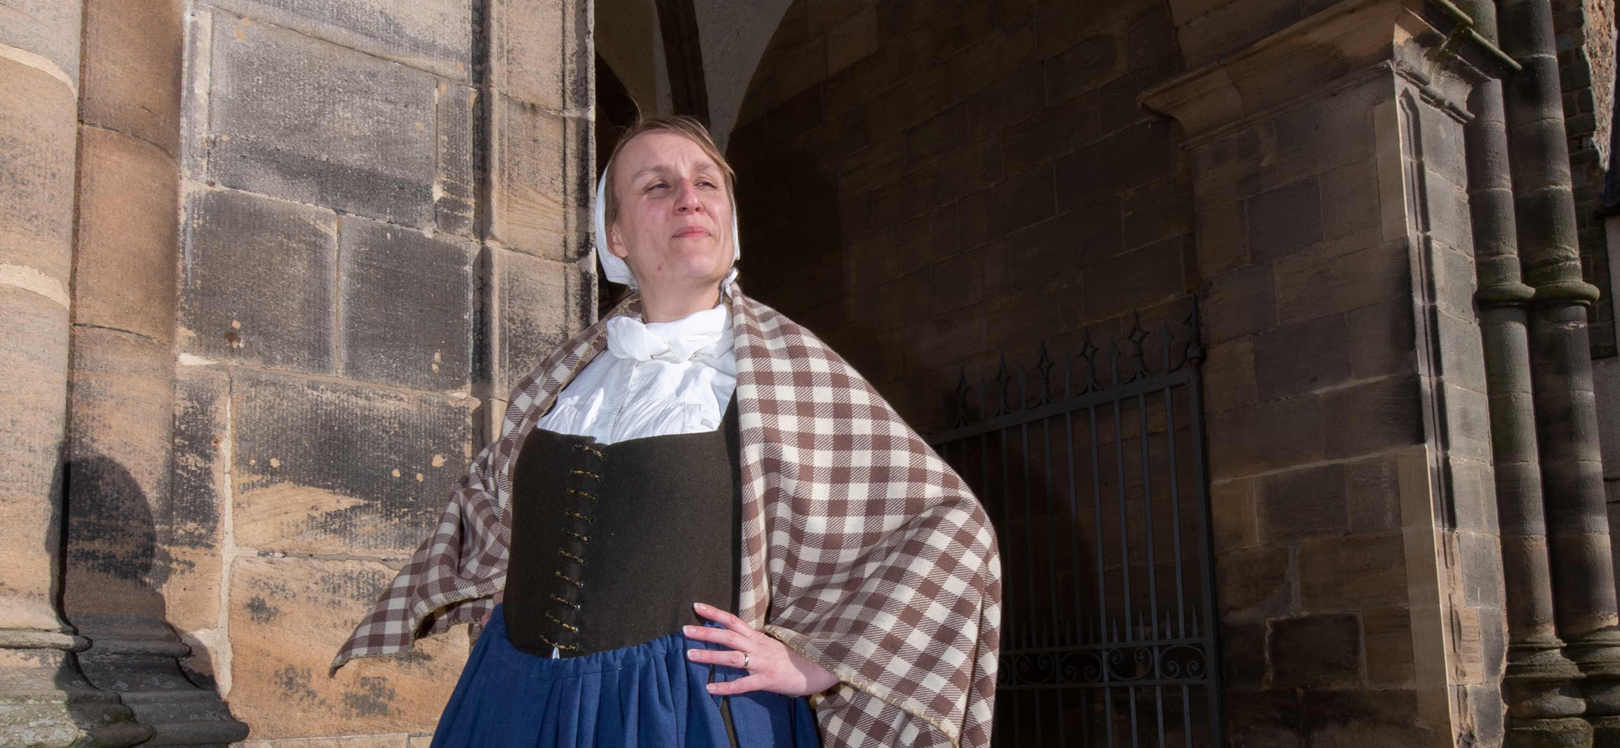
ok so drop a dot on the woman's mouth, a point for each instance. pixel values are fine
(691, 231)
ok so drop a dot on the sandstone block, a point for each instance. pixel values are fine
(1059, 246)
(1229, 378)
(118, 473)
(289, 616)
(48, 28)
(1128, 158)
(1006, 101)
(256, 281)
(124, 276)
(395, 740)
(1138, 278)
(1353, 572)
(321, 467)
(541, 53)
(537, 306)
(453, 207)
(992, 58)
(305, 120)
(1388, 632)
(198, 489)
(1255, 583)
(37, 134)
(540, 183)
(1279, 434)
(1381, 339)
(1341, 275)
(1315, 651)
(406, 306)
(1082, 67)
(1372, 417)
(851, 39)
(1051, 132)
(1284, 220)
(132, 62)
(1243, 653)
(431, 35)
(1158, 211)
(1372, 493)
(1301, 357)
(1221, 230)
(1240, 303)
(1302, 503)
(1350, 202)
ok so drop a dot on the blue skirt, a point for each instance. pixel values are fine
(647, 695)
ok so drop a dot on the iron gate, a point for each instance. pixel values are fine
(1092, 470)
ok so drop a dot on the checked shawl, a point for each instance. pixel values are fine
(862, 550)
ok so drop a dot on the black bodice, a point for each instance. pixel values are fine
(612, 543)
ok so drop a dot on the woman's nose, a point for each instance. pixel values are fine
(687, 201)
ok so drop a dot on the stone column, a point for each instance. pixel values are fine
(1543, 703)
(126, 578)
(43, 699)
(1560, 363)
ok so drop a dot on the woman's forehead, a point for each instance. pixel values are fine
(661, 152)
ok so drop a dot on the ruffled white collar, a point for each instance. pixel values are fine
(699, 335)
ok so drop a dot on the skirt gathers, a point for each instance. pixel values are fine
(643, 696)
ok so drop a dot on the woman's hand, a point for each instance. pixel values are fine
(771, 665)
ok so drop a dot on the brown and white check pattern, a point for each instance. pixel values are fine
(862, 550)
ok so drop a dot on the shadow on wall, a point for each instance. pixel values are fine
(110, 568)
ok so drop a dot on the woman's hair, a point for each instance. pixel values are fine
(679, 124)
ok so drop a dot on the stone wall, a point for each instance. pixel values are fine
(929, 185)
(381, 226)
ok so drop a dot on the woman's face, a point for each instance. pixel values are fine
(674, 222)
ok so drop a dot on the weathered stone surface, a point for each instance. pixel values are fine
(322, 467)
(1243, 653)
(1232, 514)
(433, 35)
(1372, 417)
(1240, 302)
(540, 182)
(1229, 378)
(48, 28)
(198, 488)
(1315, 651)
(406, 306)
(124, 275)
(1139, 278)
(1303, 503)
(31, 438)
(537, 305)
(305, 120)
(1255, 583)
(1284, 220)
(1388, 633)
(1302, 357)
(37, 134)
(1372, 493)
(1279, 434)
(1382, 339)
(1341, 275)
(256, 281)
(132, 62)
(118, 474)
(1352, 573)
(453, 205)
(289, 616)
(540, 53)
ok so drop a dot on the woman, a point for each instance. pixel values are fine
(719, 456)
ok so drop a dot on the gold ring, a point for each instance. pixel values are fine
(746, 655)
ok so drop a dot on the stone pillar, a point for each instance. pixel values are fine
(43, 699)
(1560, 364)
(124, 568)
(1543, 703)
(1351, 481)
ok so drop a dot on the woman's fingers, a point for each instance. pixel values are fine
(755, 682)
(722, 617)
(727, 657)
(722, 637)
